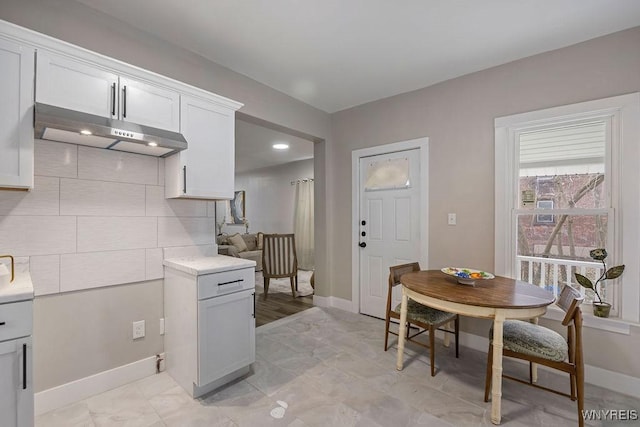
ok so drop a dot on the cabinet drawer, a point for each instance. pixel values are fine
(16, 320)
(225, 282)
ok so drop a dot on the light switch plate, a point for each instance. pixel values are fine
(451, 219)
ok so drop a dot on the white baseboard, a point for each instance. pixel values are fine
(342, 304)
(600, 377)
(68, 393)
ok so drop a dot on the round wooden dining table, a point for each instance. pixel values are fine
(499, 298)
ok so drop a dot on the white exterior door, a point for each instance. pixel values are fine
(389, 223)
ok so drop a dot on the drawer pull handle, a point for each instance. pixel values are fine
(24, 366)
(3, 323)
(231, 282)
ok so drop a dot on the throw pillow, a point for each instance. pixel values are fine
(260, 239)
(237, 241)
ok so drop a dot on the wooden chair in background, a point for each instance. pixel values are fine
(279, 260)
(537, 344)
(427, 318)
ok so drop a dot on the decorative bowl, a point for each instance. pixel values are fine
(467, 276)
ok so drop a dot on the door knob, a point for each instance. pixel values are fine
(363, 245)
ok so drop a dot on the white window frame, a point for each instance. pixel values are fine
(624, 114)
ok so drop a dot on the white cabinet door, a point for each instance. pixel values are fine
(149, 105)
(76, 85)
(226, 335)
(16, 386)
(16, 115)
(82, 86)
(206, 168)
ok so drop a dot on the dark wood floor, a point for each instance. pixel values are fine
(279, 305)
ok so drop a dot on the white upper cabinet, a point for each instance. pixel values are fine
(16, 115)
(75, 85)
(85, 87)
(206, 168)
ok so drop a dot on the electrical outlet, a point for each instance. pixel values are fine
(451, 219)
(138, 329)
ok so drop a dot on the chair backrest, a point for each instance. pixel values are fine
(279, 255)
(396, 271)
(569, 301)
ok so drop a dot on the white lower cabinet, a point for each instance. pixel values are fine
(16, 361)
(209, 327)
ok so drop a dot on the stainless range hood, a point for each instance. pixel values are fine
(63, 125)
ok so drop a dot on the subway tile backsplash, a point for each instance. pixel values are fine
(97, 218)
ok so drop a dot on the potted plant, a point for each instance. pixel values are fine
(600, 308)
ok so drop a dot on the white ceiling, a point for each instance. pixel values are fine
(254, 147)
(335, 54)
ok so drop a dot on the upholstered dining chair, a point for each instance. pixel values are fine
(537, 344)
(279, 260)
(426, 318)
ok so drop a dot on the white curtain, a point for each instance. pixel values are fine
(303, 224)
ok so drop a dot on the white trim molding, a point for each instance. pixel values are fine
(421, 144)
(74, 391)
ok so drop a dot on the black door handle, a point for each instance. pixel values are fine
(362, 245)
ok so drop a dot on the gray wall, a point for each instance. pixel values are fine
(269, 197)
(457, 116)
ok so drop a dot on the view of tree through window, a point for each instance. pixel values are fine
(562, 211)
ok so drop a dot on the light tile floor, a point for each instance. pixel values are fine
(326, 367)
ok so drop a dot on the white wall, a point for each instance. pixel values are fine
(270, 197)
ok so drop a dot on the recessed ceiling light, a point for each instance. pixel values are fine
(85, 132)
(152, 144)
(280, 146)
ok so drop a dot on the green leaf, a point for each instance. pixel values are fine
(584, 281)
(615, 272)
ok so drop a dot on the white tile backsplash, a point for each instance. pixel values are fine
(45, 274)
(97, 218)
(96, 269)
(44, 199)
(37, 235)
(107, 165)
(99, 198)
(154, 259)
(185, 231)
(157, 205)
(98, 233)
(56, 159)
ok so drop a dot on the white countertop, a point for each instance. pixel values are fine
(200, 265)
(20, 289)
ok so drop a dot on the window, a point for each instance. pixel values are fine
(567, 181)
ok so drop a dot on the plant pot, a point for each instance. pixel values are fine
(601, 309)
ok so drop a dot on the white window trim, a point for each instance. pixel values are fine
(624, 111)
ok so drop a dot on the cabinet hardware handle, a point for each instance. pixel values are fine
(24, 366)
(254, 305)
(113, 99)
(231, 282)
(184, 173)
(3, 323)
(124, 102)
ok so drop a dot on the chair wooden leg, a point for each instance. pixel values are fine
(296, 276)
(487, 380)
(456, 332)
(293, 286)
(580, 392)
(432, 349)
(266, 287)
(386, 332)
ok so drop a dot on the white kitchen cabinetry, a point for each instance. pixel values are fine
(83, 86)
(209, 321)
(16, 384)
(206, 168)
(16, 115)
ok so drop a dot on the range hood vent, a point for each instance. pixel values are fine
(63, 125)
